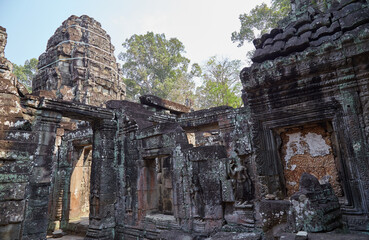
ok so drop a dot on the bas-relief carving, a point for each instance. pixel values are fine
(241, 182)
(95, 204)
(197, 198)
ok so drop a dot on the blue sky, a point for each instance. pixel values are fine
(203, 26)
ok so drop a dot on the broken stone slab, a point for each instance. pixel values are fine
(164, 104)
(301, 235)
(22, 90)
(314, 208)
(240, 217)
(270, 196)
(58, 233)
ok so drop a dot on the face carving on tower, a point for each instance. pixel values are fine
(79, 64)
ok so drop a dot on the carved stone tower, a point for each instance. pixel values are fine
(79, 64)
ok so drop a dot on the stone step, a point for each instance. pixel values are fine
(78, 227)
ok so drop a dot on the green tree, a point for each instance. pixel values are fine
(183, 92)
(260, 20)
(26, 72)
(154, 65)
(221, 84)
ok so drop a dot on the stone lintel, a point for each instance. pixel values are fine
(164, 104)
(68, 109)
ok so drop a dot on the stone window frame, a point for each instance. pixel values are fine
(268, 124)
(146, 161)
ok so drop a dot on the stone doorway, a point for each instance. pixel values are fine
(309, 148)
(158, 193)
(79, 203)
(165, 189)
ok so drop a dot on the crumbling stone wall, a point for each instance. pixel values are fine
(142, 141)
(79, 64)
(31, 136)
(26, 158)
(13, 160)
(311, 70)
(201, 179)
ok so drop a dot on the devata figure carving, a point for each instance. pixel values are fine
(241, 181)
(95, 202)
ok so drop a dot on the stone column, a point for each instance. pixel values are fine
(352, 126)
(36, 214)
(103, 181)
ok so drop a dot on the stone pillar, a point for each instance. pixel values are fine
(103, 181)
(36, 214)
(352, 127)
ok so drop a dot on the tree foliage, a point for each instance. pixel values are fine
(260, 20)
(221, 84)
(26, 72)
(155, 65)
(184, 90)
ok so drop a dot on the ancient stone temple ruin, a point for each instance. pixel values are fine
(76, 158)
